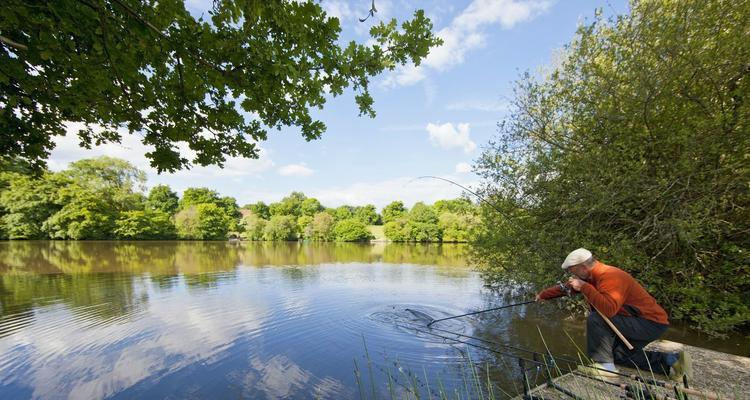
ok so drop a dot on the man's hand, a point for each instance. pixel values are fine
(575, 283)
(538, 298)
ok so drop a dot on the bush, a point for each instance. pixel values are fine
(145, 225)
(351, 230)
(254, 226)
(281, 227)
(205, 221)
(321, 228)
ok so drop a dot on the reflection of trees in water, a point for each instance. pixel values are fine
(100, 278)
(446, 255)
(104, 296)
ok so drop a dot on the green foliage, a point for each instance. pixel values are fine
(27, 203)
(321, 228)
(290, 205)
(395, 231)
(85, 215)
(367, 215)
(303, 222)
(423, 232)
(116, 180)
(158, 70)
(162, 198)
(260, 209)
(195, 196)
(457, 227)
(634, 145)
(145, 225)
(310, 207)
(281, 227)
(205, 221)
(351, 230)
(344, 212)
(253, 227)
(393, 211)
(423, 213)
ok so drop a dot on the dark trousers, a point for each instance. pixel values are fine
(603, 345)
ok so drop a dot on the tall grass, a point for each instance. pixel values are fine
(476, 383)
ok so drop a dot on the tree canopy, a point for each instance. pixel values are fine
(215, 86)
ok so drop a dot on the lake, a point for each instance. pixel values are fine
(175, 320)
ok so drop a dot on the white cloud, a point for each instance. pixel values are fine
(407, 189)
(463, 168)
(132, 149)
(338, 9)
(295, 170)
(405, 75)
(467, 32)
(448, 136)
(478, 105)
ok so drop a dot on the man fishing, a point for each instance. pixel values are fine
(616, 296)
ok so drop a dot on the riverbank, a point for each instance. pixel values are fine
(725, 375)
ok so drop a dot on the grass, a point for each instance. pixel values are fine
(473, 384)
(377, 231)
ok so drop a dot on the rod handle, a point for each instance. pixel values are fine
(614, 328)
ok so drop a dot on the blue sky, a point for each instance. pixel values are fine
(431, 120)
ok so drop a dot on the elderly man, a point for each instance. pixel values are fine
(635, 313)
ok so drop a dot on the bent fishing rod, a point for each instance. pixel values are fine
(683, 389)
(472, 313)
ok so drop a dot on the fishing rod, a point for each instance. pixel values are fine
(681, 390)
(560, 358)
(472, 313)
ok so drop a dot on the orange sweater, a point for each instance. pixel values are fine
(614, 291)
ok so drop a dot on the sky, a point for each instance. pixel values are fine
(434, 119)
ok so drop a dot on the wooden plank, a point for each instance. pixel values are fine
(722, 373)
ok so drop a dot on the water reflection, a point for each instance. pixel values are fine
(201, 319)
(247, 320)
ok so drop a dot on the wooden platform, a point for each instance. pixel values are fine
(724, 374)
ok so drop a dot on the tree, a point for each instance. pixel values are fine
(289, 205)
(456, 227)
(281, 227)
(153, 68)
(85, 215)
(205, 221)
(303, 222)
(254, 226)
(114, 179)
(195, 196)
(351, 230)
(321, 228)
(310, 207)
(393, 211)
(260, 209)
(367, 215)
(344, 212)
(145, 225)
(423, 213)
(635, 146)
(456, 206)
(162, 198)
(27, 203)
(395, 230)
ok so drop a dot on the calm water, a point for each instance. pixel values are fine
(255, 320)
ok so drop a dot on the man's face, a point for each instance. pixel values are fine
(580, 271)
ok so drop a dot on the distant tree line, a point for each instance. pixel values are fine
(106, 198)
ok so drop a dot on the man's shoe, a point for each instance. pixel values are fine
(598, 371)
(682, 367)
